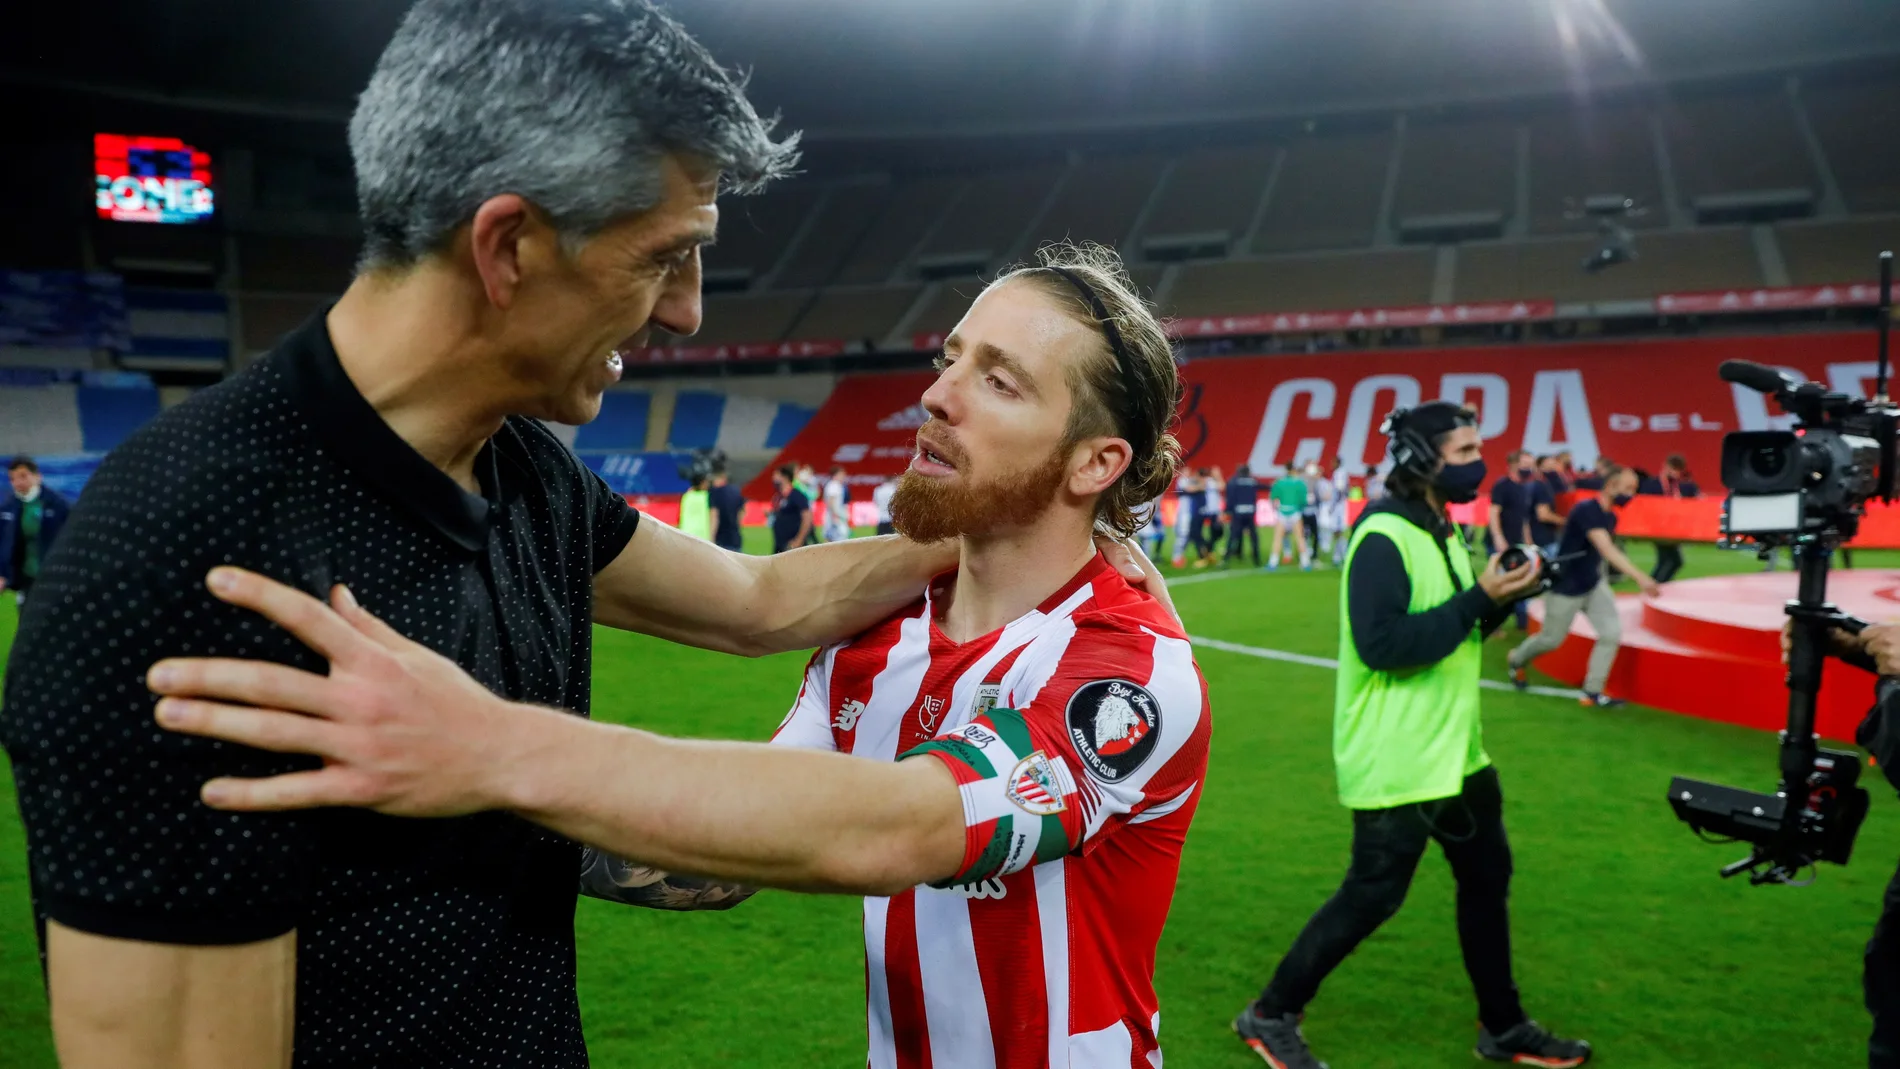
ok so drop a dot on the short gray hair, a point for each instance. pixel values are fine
(572, 104)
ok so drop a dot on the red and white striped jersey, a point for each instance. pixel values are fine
(1078, 735)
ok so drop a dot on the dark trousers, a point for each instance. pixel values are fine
(1668, 561)
(1880, 982)
(1243, 526)
(1386, 847)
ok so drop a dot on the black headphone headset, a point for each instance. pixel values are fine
(1410, 451)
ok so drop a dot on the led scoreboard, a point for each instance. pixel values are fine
(151, 179)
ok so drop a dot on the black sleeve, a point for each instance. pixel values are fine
(1390, 637)
(611, 519)
(118, 843)
(1493, 619)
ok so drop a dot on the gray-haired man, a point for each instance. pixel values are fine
(536, 178)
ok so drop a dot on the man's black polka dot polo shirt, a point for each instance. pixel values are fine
(419, 943)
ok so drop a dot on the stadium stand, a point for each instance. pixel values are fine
(263, 318)
(1548, 267)
(854, 314)
(1456, 176)
(982, 227)
(177, 329)
(754, 231)
(1592, 152)
(739, 317)
(1861, 139)
(273, 263)
(1326, 195)
(621, 425)
(1304, 282)
(696, 420)
(109, 415)
(1820, 252)
(1101, 200)
(846, 216)
(1210, 194)
(38, 420)
(1737, 143)
(910, 211)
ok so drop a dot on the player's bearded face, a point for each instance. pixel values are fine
(977, 500)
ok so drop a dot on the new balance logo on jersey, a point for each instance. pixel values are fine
(1114, 724)
(990, 888)
(848, 714)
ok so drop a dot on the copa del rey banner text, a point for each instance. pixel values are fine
(1636, 402)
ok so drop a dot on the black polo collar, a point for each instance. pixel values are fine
(347, 426)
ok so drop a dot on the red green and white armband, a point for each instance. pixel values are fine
(1019, 801)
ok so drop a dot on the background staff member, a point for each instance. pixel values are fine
(1243, 496)
(791, 512)
(1582, 587)
(1408, 747)
(727, 508)
(30, 518)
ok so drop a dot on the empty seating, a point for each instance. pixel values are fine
(854, 314)
(787, 421)
(747, 317)
(909, 212)
(1859, 130)
(696, 419)
(1457, 168)
(1818, 253)
(992, 214)
(1100, 201)
(1327, 194)
(844, 220)
(39, 421)
(1736, 142)
(1587, 151)
(1666, 262)
(952, 300)
(109, 415)
(1293, 283)
(312, 265)
(753, 231)
(621, 425)
(1209, 192)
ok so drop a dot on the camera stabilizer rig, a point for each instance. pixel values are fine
(1806, 489)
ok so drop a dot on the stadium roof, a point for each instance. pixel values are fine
(884, 68)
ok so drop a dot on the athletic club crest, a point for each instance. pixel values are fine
(1114, 725)
(1035, 787)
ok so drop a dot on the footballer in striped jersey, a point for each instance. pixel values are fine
(1006, 769)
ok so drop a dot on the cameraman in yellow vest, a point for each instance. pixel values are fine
(1408, 748)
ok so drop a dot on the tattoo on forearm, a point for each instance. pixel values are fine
(614, 879)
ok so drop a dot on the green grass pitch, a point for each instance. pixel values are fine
(1623, 933)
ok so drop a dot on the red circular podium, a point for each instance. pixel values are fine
(1712, 648)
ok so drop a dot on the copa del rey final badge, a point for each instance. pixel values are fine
(1115, 725)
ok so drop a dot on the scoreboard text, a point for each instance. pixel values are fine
(151, 179)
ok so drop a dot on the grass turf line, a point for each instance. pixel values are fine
(1623, 933)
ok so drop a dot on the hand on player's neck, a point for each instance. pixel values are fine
(1003, 576)
(422, 365)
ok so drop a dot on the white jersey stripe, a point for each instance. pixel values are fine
(895, 688)
(877, 986)
(959, 1020)
(1024, 629)
(1052, 918)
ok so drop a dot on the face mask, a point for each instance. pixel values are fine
(1460, 482)
(1620, 500)
(1526, 473)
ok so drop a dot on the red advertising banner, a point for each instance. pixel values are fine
(702, 354)
(1774, 299)
(1635, 401)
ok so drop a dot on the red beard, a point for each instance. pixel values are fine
(926, 509)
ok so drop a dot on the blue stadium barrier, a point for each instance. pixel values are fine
(696, 419)
(621, 425)
(108, 415)
(787, 423)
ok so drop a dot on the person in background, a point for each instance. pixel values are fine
(728, 508)
(791, 512)
(1676, 482)
(805, 477)
(1187, 491)
(1594, 478)
(1243, 497)
(1289, 501)
(1335, 520)
(1583, 587)
(1213, 509)
(881, 498)
(1510, 519)
(1540, 504)
(1309, 516)
(1153, 531)
(696, 510)
(1375, 484)
(30, 518)
(1566, 476)
(837, 506)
